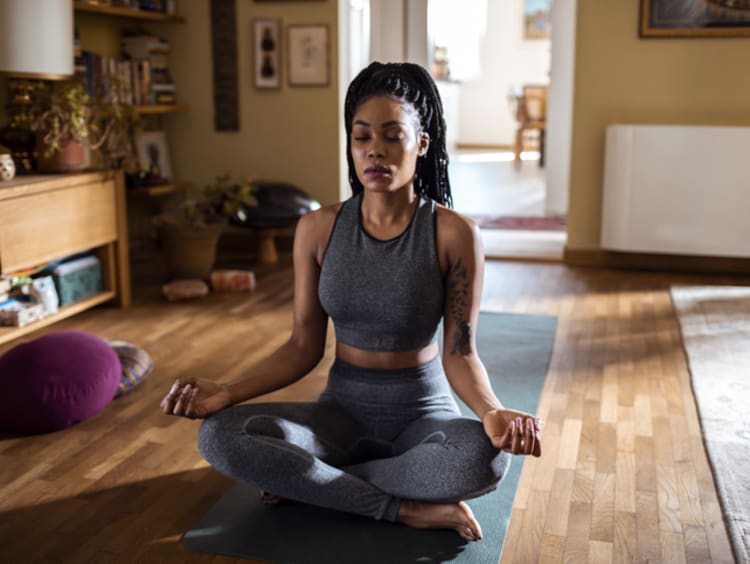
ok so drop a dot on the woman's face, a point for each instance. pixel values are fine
(385, 144)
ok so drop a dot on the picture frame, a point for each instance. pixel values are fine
(694, 18)
(267, 53)
(153, 156)
(536, 19)
(308, 55)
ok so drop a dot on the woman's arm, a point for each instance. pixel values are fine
(293, 359)
(461, 246)
(305, 346)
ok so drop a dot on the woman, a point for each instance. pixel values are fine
(385, 439)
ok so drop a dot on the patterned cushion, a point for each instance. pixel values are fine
(136, 366)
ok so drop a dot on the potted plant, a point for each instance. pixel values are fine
(190, 231)
(68, 120)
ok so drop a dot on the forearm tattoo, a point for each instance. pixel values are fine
(458, 292)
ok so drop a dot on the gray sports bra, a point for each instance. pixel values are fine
(383, 295)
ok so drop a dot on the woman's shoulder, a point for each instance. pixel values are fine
(321, 219)
(455, 225)
(314, 229)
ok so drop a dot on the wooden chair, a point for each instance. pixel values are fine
(531, 114)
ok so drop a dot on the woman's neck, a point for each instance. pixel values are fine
(390, 208)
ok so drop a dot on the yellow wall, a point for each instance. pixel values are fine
(620, 78)
(289, 134)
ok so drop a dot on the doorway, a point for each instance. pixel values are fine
(494, 53)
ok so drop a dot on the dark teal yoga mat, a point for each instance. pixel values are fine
(516, 350)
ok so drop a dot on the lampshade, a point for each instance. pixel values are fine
(36, 38)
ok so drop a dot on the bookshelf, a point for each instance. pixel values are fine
(101, 28)
(84, 211)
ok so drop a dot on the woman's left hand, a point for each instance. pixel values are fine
(514, 431)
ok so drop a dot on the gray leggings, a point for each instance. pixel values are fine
(372, 438)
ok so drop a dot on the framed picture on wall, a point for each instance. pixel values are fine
(695, 18)
(267, 53)
(153, 156)
(536, 19)
(308, 56)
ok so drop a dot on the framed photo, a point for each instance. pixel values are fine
(153, 156)
(266, 53)
(536, 19)
(308, 55)
(695, 18)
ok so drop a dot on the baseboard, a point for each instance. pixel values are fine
(645, 261)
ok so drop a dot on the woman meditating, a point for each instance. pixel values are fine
(385, 439)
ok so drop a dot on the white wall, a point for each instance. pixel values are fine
(560, 106)
(387, 21)
(506, 59)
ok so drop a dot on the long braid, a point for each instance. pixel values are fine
(412, 84)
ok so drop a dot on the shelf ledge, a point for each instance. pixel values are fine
(119, 12)
(11, 333)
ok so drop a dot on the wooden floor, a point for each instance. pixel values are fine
(623, 476)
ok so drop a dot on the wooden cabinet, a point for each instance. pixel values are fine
(47, 217)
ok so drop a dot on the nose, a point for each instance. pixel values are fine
(376, 149)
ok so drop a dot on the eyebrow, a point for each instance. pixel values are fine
(384, 124)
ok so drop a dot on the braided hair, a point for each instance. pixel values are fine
(412, 84)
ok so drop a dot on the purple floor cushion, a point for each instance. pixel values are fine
(56, 381)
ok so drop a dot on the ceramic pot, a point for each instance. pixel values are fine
(70, 158)
(7, 167)
(189, 251)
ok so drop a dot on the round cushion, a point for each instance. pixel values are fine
(135, 363)
(56, 381)
(279, 204)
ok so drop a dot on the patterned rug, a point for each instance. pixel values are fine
(715, 324)
(521, 223)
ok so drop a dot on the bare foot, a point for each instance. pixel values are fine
(269, 499)
(457, 516)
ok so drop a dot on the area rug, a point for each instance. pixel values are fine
(715, 325)
(516, 350)
(521, 223)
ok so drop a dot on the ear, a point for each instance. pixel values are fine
(424, 143)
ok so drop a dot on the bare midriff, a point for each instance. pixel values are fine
(386, 360)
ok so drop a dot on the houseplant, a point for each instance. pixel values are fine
(190, 231)
(68, 120)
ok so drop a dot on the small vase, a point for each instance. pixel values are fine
(7, 167)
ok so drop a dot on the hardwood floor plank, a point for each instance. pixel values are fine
(603, 508)
(625, 482)
(600, 552)
(669, 501)
(577, 538)
(559, 503)
(624, 547)
(672, 548)
(553, 549)
(648, 547)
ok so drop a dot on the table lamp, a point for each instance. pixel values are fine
(36, 43)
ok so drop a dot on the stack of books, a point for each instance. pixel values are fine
(148, 56)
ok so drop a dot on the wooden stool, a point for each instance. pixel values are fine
(266, 250)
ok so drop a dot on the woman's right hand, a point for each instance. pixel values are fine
(195, 398)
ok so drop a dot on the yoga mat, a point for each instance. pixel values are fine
(516, 350)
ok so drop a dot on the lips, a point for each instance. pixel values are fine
(377, 170)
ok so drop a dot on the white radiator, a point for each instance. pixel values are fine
(677, 190)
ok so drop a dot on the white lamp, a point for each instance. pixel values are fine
(36, 38)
